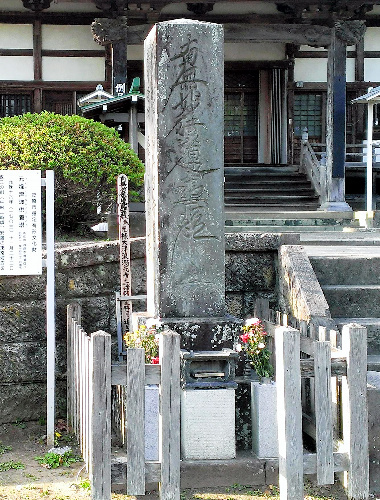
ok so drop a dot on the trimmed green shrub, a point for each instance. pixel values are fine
(86, 157)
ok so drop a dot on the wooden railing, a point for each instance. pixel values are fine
(299, 358)
(313, 168)
(89, 380)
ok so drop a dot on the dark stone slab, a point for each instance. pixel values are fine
(201, 334)
(184, 164)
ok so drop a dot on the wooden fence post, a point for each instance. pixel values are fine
(100, 445)
(323, 413)
(289, 413)
(355, 411)
(135, 421)
(170, 416)
(73, 313)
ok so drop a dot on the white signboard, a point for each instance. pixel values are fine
(20, 222)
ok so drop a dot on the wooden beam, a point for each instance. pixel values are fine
(73, 53)
(300, 34)
(16, 52)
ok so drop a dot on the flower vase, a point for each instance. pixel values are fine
(264, 418)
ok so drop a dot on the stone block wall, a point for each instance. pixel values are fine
(89, 274)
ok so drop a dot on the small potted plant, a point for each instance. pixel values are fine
(253, 344)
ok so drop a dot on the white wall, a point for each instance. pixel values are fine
(68, 38)
(16, 36)
(372, 39)
(16, 68)
(310, 70)
(72, 69)
(372, 70)
(315, 70)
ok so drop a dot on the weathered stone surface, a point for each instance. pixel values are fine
(299, 288)
(24, 402)
(23, 287)
(25, 362)
(87, 255)
(248, 242)
(347, 271)
(201, 334)
(184, 162)
(20, 362)
(208, 424)
(91, 281)
(250, 271)
(22, 321)
(234, 304)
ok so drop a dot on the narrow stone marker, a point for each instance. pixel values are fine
(184, 160)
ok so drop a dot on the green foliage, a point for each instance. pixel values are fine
(20, 424)
(4, 448)
(148, 339)
(86, 157)
(5, 466)
(53, 460)
(85, 484)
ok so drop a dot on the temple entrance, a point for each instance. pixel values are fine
(255, 117)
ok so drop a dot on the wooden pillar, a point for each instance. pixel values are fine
(119, 67)
(114, 31)
(343, 34)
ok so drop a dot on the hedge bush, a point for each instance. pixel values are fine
(86, 157)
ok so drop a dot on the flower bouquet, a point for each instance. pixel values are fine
(148, 337)
(253, 343)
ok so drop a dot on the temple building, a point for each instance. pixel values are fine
(291, 66)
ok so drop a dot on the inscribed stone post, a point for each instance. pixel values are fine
(184, 162)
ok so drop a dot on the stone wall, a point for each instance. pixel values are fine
(89, 274)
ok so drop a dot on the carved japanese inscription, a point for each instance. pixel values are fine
(185, 130)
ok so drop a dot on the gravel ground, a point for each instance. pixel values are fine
(21, 442)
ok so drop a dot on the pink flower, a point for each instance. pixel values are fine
(244, 338)
(155, 361)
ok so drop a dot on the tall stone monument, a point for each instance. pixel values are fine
(184, 160)
(184, 92)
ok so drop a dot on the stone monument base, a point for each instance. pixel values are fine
(199, 334)
(208, 424)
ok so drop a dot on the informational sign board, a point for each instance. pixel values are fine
(20, 222)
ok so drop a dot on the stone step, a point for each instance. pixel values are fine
(279, 185)
(282, 204)
(352, 271)
(373, 331)
(284, 192)
(279, 229)
(353, 300)
(293, 223)
(247, 213)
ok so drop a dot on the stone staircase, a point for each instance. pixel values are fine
(276, 199)
(273, 187)
(351, 285)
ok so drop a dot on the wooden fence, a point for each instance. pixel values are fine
(90, 377)
(299, 357)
